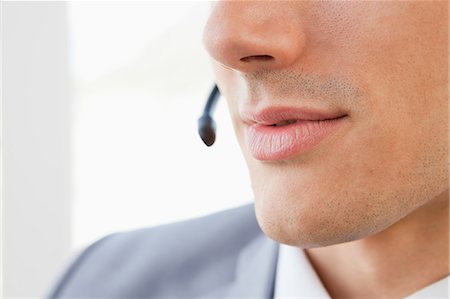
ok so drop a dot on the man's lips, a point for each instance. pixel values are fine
(274, 115)
(279, 133)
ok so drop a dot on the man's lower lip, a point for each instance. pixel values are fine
(272, 143)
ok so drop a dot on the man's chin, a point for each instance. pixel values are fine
(308, 230)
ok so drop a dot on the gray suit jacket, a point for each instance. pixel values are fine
(224, 255)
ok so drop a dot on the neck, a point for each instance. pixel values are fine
(402, 259)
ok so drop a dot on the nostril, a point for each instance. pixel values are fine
(257, 58)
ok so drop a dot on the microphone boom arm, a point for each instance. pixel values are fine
(206, 123)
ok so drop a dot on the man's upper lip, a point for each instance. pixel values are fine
(273, 115)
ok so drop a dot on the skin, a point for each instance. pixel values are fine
(376, 190)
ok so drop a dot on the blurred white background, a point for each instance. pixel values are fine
(100, 108)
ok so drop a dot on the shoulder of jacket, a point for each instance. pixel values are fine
(154, 253)
(232, 223)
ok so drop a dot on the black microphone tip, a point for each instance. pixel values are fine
(207, 130)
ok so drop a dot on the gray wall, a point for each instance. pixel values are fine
(36, 141)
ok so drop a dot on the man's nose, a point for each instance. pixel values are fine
(249, 36)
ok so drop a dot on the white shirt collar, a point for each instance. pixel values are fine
(296, 278)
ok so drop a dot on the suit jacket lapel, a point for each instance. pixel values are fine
(255, 270)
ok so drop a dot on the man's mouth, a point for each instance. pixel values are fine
(279, 116)
(279, 133)
(284, 123)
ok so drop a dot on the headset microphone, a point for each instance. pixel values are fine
(206, 123)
